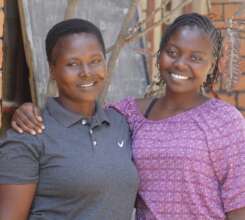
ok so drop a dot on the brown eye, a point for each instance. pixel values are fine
(196, 58)
(73, 64)
(96, 61)
(172, 52)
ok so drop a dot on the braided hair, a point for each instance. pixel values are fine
(71, 26)
(205, 24)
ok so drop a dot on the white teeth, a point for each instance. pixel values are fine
(178, 77)
(86, 85)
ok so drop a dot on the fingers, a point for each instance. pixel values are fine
(19, 125)
(38, 116)
(23, 120)
(15, 126)
(29, 122)
(27, 118)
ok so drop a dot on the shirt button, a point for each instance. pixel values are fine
(84, 122)
(94, 143)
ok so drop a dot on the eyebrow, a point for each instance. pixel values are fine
(169, 44)
(97, 55)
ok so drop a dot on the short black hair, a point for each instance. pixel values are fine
(71, 26)
(205, 24)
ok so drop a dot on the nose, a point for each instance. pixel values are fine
(181, 63)
(85, 70)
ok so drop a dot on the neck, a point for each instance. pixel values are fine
(85, 108)
(182, 101)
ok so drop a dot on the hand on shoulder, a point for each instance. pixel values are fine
(27, 118)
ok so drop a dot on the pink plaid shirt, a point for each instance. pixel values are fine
(191, 165)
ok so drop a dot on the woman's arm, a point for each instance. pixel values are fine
(16, 200)
(27, 118)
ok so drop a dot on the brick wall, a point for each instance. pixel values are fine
(1, 53)
(223, 9)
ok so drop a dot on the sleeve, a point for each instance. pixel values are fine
(127, 108)
(19, 159)
(121, 106)
(228, 159)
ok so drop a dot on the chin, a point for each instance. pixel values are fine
(88, 98)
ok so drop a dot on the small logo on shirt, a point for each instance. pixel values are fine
(120, 143)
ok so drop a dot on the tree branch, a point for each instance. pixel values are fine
(118, 45)
(139, 33)
(149, 18)
(71, 9)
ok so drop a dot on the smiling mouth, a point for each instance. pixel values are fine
(86, 85)
(176, 76)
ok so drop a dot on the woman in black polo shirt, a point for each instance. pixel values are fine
(80, 167)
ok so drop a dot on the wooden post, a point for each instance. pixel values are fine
(201, 6)
(71, 9)
(28, 46)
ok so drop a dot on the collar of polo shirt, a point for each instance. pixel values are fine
(68, 118)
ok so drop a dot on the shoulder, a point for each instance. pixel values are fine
(130, 108)
(130, 104)
(13, 143)
(118, 122)
(113, 114)
(221, 121)
(219, 110)
(124, 106)
(13, 138)
(123, 102)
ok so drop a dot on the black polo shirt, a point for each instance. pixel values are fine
(83, 168)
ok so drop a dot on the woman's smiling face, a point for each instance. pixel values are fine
(79, 68)
(186, 59)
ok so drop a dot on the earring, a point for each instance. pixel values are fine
(156, 77)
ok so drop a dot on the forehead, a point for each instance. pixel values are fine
(191, 37)
(83, 42)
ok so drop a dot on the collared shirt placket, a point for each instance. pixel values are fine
(91, 132)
